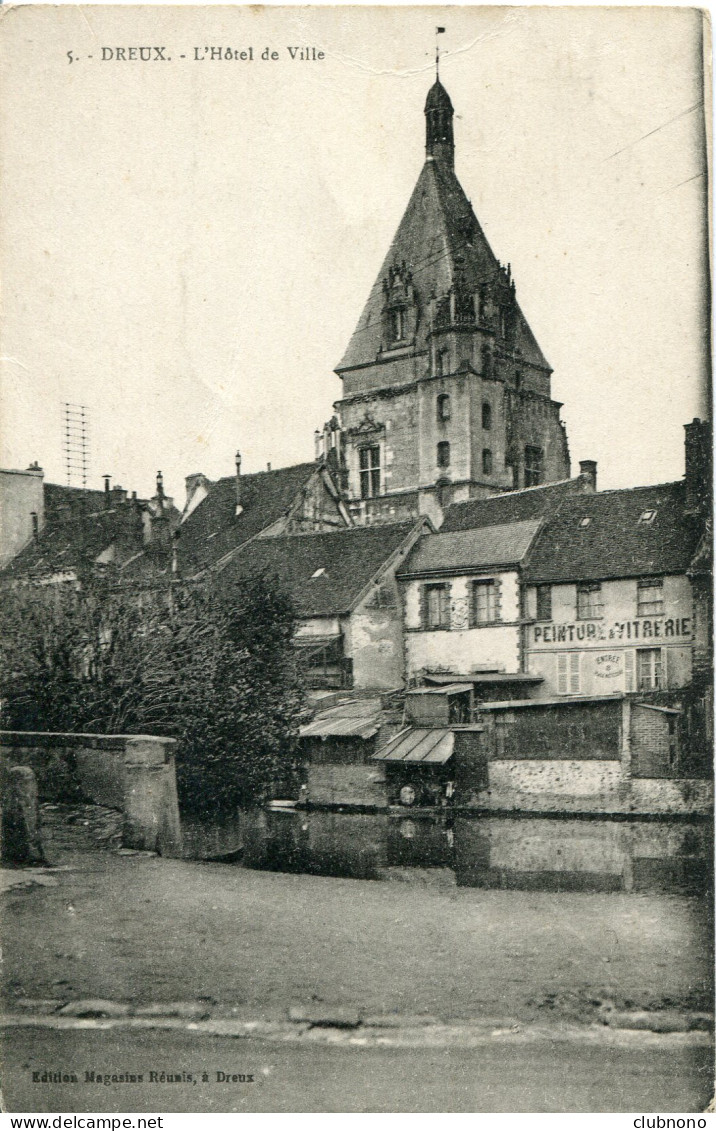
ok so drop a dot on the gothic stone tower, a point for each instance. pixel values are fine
(446, 394)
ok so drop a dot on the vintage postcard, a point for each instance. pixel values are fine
(356, 621)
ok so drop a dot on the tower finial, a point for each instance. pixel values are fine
(438, 31)
(439, 143)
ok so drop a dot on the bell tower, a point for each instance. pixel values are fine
(446, 393)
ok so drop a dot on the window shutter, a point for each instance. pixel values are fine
(574, 659)
(562, 687)
(445, 617)
(629, 669)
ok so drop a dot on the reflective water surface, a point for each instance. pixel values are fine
(538, 853)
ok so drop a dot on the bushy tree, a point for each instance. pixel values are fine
(210, 665)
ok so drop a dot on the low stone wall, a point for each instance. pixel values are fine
(588, 787)
(132, 773)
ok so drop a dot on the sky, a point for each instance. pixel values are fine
(186, 245)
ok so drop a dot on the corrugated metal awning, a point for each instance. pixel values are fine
(484, 677)
(359, 718)
(417, 745)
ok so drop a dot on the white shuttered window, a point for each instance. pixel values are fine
(568, 673)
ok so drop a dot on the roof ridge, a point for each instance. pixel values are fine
(313, 464)
(638, 487)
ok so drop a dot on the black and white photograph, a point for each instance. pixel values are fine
(356, 608)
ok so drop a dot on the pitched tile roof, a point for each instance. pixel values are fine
(470, 549)
(324, 574)
(595, 537)
(213, 528)
(70, 502)
(438, 226)
(74, 544)
(511, 506)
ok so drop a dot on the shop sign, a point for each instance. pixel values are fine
(642, 629)
(609, 665)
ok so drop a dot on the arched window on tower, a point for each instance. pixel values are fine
(486, 461)
(397, 324)
(443, 405)
(486, 416)
(443, 454)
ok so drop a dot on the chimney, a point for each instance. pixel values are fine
(160, 490)
(107, 497)
(268, 466)
(35, 526)
(588, 474)
(239, 507)
(698, 472)
(175, 552)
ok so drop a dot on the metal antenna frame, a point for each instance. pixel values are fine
(76, 444)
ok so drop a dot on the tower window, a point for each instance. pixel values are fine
(534, 469)
(443, 454)
(397, 325)
(443, 406)
(486, 417)
(486, 461)
(441, 362)
(369, 461)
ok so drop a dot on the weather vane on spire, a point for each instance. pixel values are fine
(438, 31)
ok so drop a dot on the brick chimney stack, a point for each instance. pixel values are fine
(588, 474)
(698, 467)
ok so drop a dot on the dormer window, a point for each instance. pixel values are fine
(646, 518)
(585, 520)
(319, 573)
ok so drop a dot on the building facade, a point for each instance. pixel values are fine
(446, 393)
(609, 603)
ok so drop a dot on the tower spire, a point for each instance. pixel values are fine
(439, 142)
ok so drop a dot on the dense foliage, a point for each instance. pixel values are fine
(211, 666)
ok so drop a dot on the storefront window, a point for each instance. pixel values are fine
(649, 669)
